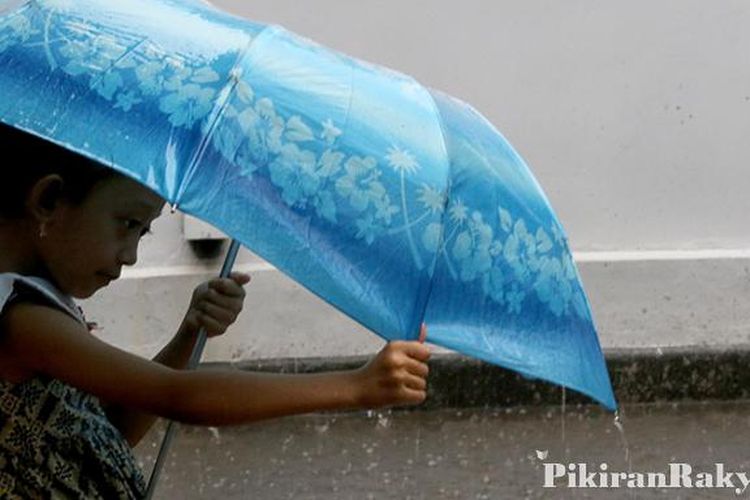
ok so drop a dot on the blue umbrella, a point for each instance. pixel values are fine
(396, 203)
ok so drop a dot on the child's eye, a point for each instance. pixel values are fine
(135, 224)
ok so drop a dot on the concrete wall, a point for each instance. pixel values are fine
(634, 116)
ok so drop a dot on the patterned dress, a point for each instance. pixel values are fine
(55, 440)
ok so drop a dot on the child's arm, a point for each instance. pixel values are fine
(49, 342)
(215, 305)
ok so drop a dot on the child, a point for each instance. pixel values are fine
(72, 406)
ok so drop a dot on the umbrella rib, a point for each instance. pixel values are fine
(444, 211)
(47, 50)
(442, 249)
(116, 61)
(215, 118)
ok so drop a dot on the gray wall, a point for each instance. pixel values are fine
(634, 116)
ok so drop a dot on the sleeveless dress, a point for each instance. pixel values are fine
(55, 440)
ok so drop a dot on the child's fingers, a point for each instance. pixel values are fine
(218, 313)
(413, 396)
(412, 349)
(240, 278)
(227, 286)
(212, 326)
(207, 296)
(422, 333)
(418, 368)
(414, 382)
(230, 303)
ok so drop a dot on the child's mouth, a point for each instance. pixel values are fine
(108, 277)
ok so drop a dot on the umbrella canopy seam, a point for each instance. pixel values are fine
(216, 114)
(444, 211)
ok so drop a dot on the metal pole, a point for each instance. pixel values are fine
(192, 364)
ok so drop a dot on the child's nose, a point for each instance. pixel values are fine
(129, 254)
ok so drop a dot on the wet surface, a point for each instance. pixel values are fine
(466, 454)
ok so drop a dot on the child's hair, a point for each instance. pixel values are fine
(34, 158)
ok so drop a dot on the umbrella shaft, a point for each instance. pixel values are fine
(195, 357)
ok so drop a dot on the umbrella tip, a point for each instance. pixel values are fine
(173, 207)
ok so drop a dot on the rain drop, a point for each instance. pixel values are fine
(621, 430)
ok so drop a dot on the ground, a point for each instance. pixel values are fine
(491, 453)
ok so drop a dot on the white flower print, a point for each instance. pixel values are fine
(431, 237)
(361, 185)
(368, 229)
(188, 105)
(325, 205)
(156, 76)
(458, 212)
(472, 248)
(294, 172)
(552, 287)
(520, 252)
(432, 199)
(107, 85)
(330, 163)
(543, 242)
(506, 221)
(384, 209)
(493, 284)
(204, 75)
(91, 55)
(330, 132)
(297, 130)
(270, 125)
(514, 299)
(402, 161)
(256, 139)
(126, 100)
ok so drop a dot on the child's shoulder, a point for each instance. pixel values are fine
(16, 287)
(36, 321)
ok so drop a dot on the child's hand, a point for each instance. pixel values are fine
(216, 304)
(396, 376)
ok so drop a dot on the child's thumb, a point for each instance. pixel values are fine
(240, 278)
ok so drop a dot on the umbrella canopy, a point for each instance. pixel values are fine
(395, 203)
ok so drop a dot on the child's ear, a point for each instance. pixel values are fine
(44, 196)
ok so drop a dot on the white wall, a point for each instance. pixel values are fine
(634, 116)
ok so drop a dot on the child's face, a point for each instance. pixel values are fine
(87, 245)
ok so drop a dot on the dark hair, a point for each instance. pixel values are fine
(34, 158)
